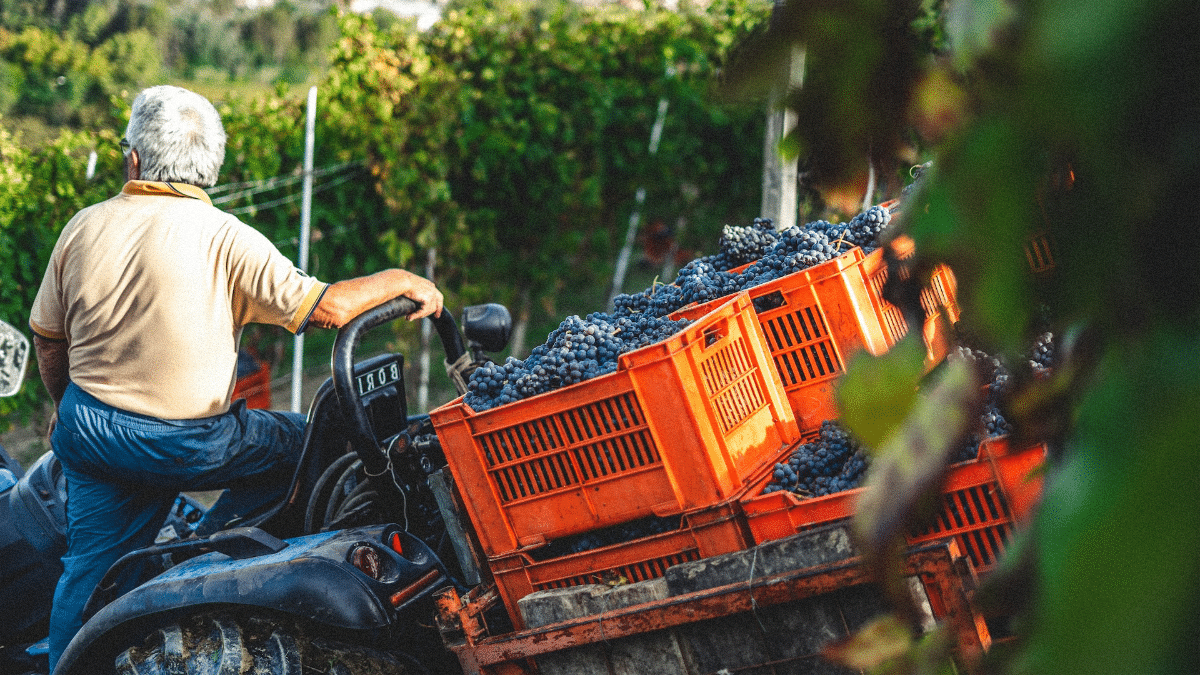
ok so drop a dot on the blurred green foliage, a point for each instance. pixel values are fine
(39, 191)
(66, 82)
(61, 66)
(556, 106)
(1073, 124)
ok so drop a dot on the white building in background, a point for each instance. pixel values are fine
(426, 12)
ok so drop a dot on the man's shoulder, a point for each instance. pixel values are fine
(200, 214)
(97, 207)
(86, 214)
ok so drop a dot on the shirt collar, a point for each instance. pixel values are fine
(157, 188)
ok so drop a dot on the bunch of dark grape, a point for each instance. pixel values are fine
(991, 370)
(1041, 358)
(659, 300)
(797, 248)
(837, 233)
(578, 350)
(865, 228)
(993, 422)
(772, 255)
(739, 245)
(800, 247)
(988, 369)
(832, 463)
(862, 230)
(699, 281)
(634, 303)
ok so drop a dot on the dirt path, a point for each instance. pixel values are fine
(25, 443)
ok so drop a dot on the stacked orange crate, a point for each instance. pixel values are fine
(981, 501)
(703, 533)
(938, 299)
(814, 320)
(679, 430)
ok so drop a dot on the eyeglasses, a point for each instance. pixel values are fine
(124, 145)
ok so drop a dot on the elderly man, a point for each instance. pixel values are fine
(136, 327)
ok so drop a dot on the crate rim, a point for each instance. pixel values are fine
(625, 362)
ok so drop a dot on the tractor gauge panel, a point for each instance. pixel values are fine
(380, 384)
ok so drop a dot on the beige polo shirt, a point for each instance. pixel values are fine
(151, 290)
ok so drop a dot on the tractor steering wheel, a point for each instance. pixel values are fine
(362, 436)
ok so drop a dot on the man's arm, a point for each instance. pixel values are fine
(347, 299)
(52, 365)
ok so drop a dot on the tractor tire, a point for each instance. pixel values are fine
(216, 644)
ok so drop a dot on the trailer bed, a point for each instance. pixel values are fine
(765, 610)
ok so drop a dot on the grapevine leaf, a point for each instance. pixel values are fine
(878, 392)
(885, 645)
(1120, 520)
(911, 462)
(975, 28)
(883, 639)
(983, 234)
(940, 105)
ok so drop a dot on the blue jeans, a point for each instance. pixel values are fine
(124, 471)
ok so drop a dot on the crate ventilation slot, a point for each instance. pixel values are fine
(802, 346)
(730, 383)
(633, 572)
(605, 438)
(978, 518)
(893, 318)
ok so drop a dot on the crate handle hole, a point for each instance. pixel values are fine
(772, 300)
(712, 336)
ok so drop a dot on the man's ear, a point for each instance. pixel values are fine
(133, 165)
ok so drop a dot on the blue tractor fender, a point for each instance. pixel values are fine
(312, 578)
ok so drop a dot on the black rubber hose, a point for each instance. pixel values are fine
(353, 506)
(339, 495)
(319, 489)
(362, 492)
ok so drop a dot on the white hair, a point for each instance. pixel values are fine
(178, 136)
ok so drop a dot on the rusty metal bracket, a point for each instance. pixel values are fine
(460, 619)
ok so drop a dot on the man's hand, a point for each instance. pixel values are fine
(423, 291)
(347, 299)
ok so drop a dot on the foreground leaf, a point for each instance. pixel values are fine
(883, 639)
(878, 393)
(907, 470)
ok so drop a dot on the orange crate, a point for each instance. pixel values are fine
(814, 320)
(682, 424)
(981, 500)
(1039, 254)
(939, 300)
(707, 532)
(255, 386)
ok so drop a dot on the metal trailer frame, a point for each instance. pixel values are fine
(945, 573)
